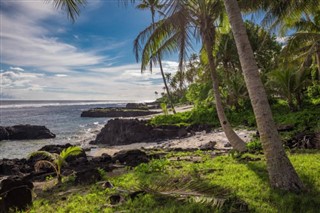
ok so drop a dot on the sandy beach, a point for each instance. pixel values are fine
(194, 141)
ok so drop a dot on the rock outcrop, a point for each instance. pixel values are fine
(116, 112)
(131, 157)
(15, 193)
(128, 131)
(25, 132)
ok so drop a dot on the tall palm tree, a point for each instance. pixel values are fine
(154, 6)
(186, 19)
(282, 174)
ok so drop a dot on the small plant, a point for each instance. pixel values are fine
(254, 146)
(164, 108)
(56, 161)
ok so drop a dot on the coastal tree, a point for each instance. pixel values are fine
(185, 21)
(154, 6)
(282, 174)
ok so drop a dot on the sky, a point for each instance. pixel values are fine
(44, 56)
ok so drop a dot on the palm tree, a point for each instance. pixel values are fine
(186, 19)
(153, 6)
(305, 43)
(56, 161)
(282, 174)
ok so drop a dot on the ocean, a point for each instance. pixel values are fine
(60, 117)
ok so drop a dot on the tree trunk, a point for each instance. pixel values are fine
(166, 85)
(282, 175)
(236, 142)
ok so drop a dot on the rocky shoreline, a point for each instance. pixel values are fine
(25, 132)
(130, 110)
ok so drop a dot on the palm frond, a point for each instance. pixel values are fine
(44, 163)
(72, 7)
(70, 151)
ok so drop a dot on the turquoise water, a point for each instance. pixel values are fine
(60, 117)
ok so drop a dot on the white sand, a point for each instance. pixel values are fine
(195, 141)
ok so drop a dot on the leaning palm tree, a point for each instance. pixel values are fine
(154, 6)
(185, 20)
(56, 161)
(282, 174)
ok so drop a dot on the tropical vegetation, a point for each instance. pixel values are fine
(243, 76)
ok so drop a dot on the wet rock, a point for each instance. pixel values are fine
(25, 132)
(88, 176)
(131, 157)
(15, 193)
(208, 146)
(128, 131)
(104, 158)
(4, 134)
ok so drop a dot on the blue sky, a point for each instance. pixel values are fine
(44, 56)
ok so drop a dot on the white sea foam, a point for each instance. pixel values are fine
(28, 104)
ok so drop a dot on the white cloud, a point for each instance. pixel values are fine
(116, 83)
(43, 66)
(26, 41)
(61, 75)
(16, 69)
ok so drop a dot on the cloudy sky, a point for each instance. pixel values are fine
(44, 56)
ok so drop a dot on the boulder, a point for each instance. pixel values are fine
(4, 134)
(15, 193)
(14, 167)
(88, 176)
(131, 157)
(128, 131)
(25, 132)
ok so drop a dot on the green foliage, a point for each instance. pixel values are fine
(254, 146)
(164, 108)
(171, 186)
(56, 161)
(153, 166)
(314, 93)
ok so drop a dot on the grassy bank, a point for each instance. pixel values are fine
(206, 184)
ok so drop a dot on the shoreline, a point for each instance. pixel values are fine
(195, 141)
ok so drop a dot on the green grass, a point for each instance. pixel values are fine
(242, 184)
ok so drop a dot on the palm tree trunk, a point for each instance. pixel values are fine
(161, 69)
(282, 175)
(236, 142)
(166, 85)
